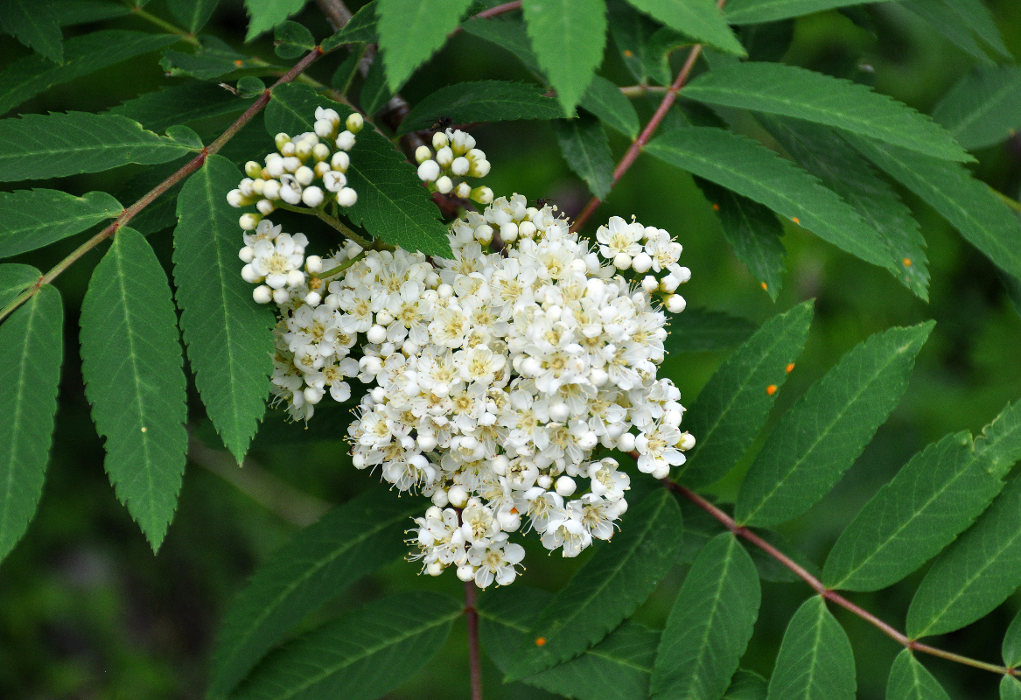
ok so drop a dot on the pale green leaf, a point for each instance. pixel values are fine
(35, 24)
(732, 407)
(53, 145)
(586, 150)
(29, 374)
(362, 655)
(698, 330)
(181, 104)
(756, 11)
(83, 55)
(607, 589)
(14, 279)
(710, 623)
(411, 31)
(605, 100)
(568, 37)
(775, 88)
(314, 567)
(193, 14)
(229, 336)
(910, 680)
(266, 14)
(753, 171)
(1011, 649)
(983, 108)
(699, 19)
(36, 218)
(820, 437)
(360, 29)
(134, 379)
(1010, 688)
(747, 685)
(815, 661)
(481, 100)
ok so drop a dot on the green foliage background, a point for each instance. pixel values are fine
(86, 611)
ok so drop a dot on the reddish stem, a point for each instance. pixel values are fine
(474, 653)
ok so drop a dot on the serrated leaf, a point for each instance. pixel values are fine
(392, 204)
(732, 407)
(53, 145)
(35, 25)
(935, 496)
(823, 153)
(1011, 648)
(29, 374)
(229, 336)
(632, 32)
(753, 231)
(481, 100)
(360, 29)
(586, 150)
(364, 654)
(618, 667)
(1010, 688)
(790, 91)
(700, 19)
(375, 93)
(909, 680)
(747, 685)
(605, 100)
(983, 108)
(607, 589)
(266, 14)
(14, 279)
(411, 31)
(193, 14)
(83, 55)
(180, 104)
(968, 204)
(36, 218)
(507, 32)
(756, 11)
(815, 661)
(214, 58)
(820, 437)
(134, 379)
(315, 566)
(698, 330)
(961, 21)
(291, 40)
(979, 19)
(710, 623)
(749, 169)
(568, 37)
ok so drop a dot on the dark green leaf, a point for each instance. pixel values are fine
(1011, 649)
(1010, 688)
(984, 107)
(36, 218)
(364, 654)
(568, 37)
(747, 685)
(607, 589)
(410, 31)
(215, 58)
(52, 145)
(755, 11)
(977, 17)
(347, 70)
(375, 93)
(291, 40)
(71, 12)
(909, 680)
(606, 101)
(960, 21)
(586, 150)
(632, 32)
(83, 55)
(698, 330)
(815, 661)
(249, 86)
(699, 19)
(29, 374)
(507, 32)
(180, 104)
(14, 279)
(360, 29)
(34, 24)
(821, 436)
(482, 100)
(999, 445)
(193, 14)
(134, 379)
(267, 14)
(710, 623)
(732, 407)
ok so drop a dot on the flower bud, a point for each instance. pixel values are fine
(347, 197)
(345, 141)
(444, 184)
(262, 294)
(312, 196)
(354, 122)
(428, 171)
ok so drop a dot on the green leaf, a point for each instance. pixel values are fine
(53, 145)
(756, 11)
(71, 12)
(213, 59)
(375, 93)
(266, 14)
(607, 589)
(698, 330)
(411, 31)
(909, 680)
(732, 407)
(1011, 649)
(586, 150)
(14, 279)
(193, 14)
(568, 37)
(83, 55)
(632, 32)
(983, 108)
(35, 25)
(968, 204)
(826, 155)
(815, 661)
(36, 218)
(291, 40)
(960, 21)
(248, 86)
(29, 374)
(318, 563)
(1010, 688)
(751, 170)
(481, 100)
(507, 32)
(364, 654)
(699, 19)
(753, 231)
(605, 100)
(360, 29)
(775, 88)
(132, 367)
(180, 104)
(618, 667)
(935, 496)
(747, 685)
(392, 204)
(229, 336)
(710, 623)
(821, 436)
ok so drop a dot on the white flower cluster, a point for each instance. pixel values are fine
(453, 155)
(305, 170)
(645, 249)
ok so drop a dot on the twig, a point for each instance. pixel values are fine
(474, 653)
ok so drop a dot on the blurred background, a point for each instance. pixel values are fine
(87, 611)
